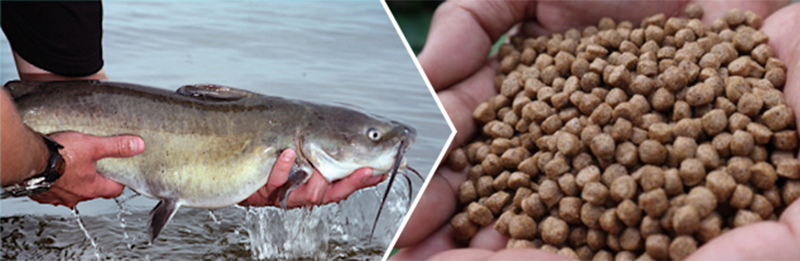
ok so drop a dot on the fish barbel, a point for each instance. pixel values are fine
(211, 146)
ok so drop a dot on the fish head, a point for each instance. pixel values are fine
(342, 140)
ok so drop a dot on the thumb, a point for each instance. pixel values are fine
(117, 146)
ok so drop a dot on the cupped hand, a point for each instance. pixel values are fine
(81, 181)
(771, 240)
(316, 191)
(455, 60)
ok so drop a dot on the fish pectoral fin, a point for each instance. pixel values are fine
(213, 91)
(161, 215)
(297, 177)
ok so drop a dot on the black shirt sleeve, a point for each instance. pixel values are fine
(61, 37)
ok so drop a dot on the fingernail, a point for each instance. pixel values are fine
(287, 156)
(136, 144)
(133, 144)
(374, 179)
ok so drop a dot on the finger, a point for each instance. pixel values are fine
(768, 240)
(116, 146)
(488, 238)
(277, 177)
(782, 27)
(716, 9)
(359, 179)
(559, 16)
(461, 36)
(280, 171)
(433, 210)
(309, 193)
(441, 241)
(462, 99)
(505, 254)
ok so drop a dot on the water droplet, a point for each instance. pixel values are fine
(85, 232)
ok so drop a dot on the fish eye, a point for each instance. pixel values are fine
(374, 134)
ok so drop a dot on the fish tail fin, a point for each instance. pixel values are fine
(161, 215)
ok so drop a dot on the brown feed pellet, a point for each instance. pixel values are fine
(522, 227)
(496, 201)
(522, 194)
(479, 214)
(467, 192)
(484, 186)
(612, 241)
(720, 184)
(629, 213)
(745, 217)
(652, 152)
(554, 231)
(685, 220)
(568, 185)
(652, 177)
(739, 169)
(622, 188)
(595, 193)
(692, 172)
(681, 247)
(708, 155)
(761, 206)
(609, 221)
(568, 252)
(518, 180)
(595, 239)
(501, 225)
(501, 181)
(638, 136)
(741, 197)
(631, 142)
(630, 239)
(577, 236)
(672, 182)
(790, 191)
(569, 209)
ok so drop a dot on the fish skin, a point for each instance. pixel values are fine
(209, 146)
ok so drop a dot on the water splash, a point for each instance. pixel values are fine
(124, 211)
(86, 232)
(332, 231)
(297, 233)
(214, 217)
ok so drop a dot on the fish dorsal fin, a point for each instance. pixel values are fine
(213, 91)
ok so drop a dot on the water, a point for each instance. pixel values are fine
(337, 52)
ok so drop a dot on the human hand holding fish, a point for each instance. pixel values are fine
(80, 181)
(316, 191)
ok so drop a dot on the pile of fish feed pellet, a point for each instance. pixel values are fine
(623, 142)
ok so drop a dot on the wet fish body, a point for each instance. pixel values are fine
(209, 146)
